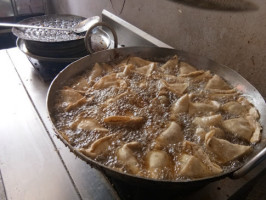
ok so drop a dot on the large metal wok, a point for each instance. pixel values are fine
(162, 54)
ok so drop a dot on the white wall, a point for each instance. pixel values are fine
(236, 39)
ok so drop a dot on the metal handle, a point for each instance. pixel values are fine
(88, 36)
(250, 164)
(32, 26)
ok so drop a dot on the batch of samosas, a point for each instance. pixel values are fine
(166, 121)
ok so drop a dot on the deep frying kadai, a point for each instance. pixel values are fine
(50, 51)
(161, 55)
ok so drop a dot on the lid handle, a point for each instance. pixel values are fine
(88, 36)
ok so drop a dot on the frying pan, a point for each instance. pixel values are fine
(162, 55)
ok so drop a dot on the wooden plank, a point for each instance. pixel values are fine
(90, 183)
(30, 165)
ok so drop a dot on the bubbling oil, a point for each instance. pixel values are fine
(47, 35)
(141, 97)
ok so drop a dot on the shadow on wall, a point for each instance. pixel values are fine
(222, 5)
